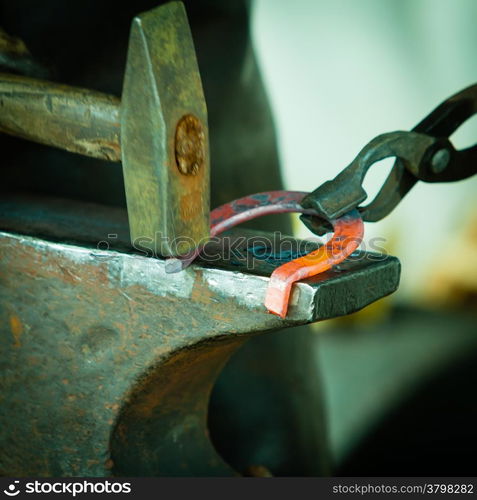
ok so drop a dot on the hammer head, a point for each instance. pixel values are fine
(164, 135)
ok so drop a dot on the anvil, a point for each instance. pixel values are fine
(108, 361)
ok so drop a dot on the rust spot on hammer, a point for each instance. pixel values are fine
(17, 329)
(190, 145)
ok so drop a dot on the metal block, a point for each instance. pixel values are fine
(164, 138)
(110, 362)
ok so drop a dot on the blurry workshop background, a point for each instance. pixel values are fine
(399, 375)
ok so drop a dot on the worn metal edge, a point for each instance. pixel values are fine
(312, 300)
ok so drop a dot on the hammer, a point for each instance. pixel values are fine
(158, 130)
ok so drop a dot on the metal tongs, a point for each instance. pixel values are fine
(424, 154)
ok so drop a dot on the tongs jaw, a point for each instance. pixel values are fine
(423, 154)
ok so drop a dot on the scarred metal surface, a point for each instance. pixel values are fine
(110, 361)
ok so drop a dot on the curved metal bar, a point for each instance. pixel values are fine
(349, 231)
(236, 212)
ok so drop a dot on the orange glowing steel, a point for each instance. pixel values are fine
(348, 234)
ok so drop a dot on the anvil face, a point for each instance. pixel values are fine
(108, 362)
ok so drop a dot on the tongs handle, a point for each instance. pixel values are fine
(424, 154)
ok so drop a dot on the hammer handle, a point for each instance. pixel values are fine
(72, 118)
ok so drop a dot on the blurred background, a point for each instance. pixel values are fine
(399, 377)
